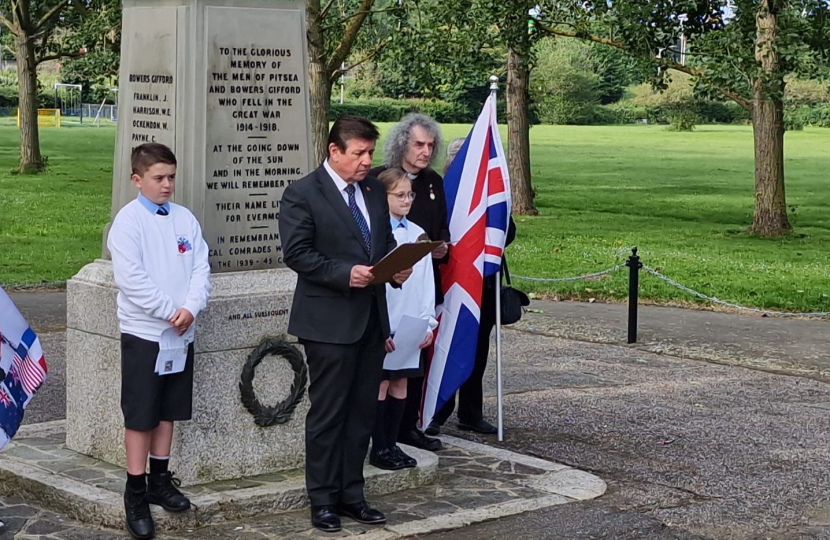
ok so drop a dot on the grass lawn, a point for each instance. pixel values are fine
(51, 224)
(685, 199)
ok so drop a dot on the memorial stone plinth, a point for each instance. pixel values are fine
(225, 85)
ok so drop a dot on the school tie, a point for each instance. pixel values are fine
(161, 211)
(358, 217)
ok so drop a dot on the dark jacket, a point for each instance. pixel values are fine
(322, 242)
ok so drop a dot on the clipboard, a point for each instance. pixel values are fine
(402, 257)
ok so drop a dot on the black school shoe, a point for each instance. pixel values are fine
(386, 459)
(408, 461)
(162, 490)
(137, 509)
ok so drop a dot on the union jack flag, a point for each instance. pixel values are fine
(22, 368)
(477, 187)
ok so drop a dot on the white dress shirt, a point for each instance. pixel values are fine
(358, 194)
(416, 297)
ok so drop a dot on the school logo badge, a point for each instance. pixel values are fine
(184, 245)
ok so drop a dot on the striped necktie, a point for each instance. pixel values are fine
(358, 217)
(162, 211)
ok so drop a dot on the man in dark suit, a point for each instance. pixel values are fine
(334, 226)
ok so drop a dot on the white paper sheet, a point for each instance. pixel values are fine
(410, 333)
(172, 356)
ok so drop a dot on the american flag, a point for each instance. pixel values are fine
(478, 203)
(22, 368)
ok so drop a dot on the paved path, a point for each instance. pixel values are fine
(691, 442)
(795, 345)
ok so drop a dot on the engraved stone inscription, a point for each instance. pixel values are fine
(147, 88)
(153, 100)
(256, 133)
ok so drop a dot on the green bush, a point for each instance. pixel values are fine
(566, 96)
(820, 116)
(798, 117)
(392, 110)
(619, 114)
(377, 110)
(720, 112)
(9, 97)
(442, 111)
(806, 92)
(682, 118)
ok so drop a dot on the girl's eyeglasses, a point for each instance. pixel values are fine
(401, 196)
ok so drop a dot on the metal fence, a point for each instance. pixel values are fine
(85, 114)
(634, 266)
(108, 112)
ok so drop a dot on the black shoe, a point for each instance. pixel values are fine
(407, 460)
(161, 490)
(419, 440)
(386, 459)
(481, 426)
(433, 429)
(362, 513)
(139, 521)
(325, 518)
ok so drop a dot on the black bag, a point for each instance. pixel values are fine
(512, 300)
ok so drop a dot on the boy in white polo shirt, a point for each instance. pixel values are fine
(160, 264)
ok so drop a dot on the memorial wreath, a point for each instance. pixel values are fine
(281, 412)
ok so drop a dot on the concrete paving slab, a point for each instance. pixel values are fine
(473, 483)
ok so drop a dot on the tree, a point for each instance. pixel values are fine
(99, 33)
(740, 49)
(37, 29)
(442, 51)
(518, 110)
(333, 32)
(448, 49)
(513, 21)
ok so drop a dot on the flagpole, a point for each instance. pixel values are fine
(494, 88)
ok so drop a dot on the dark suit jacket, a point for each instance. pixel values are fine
(321, 242)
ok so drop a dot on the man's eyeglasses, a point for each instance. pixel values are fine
(401, 196)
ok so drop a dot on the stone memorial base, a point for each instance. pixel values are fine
(38, 468)
(222, 441)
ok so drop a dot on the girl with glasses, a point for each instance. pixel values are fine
(416, 298)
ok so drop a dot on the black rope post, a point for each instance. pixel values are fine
(634, 266)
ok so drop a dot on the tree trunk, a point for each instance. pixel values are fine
(319, 81)
(518, 133)
(770, 217)
(30, 158)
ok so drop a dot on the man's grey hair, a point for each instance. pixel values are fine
(397, 142)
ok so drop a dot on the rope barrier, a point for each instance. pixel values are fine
(714, 300)
(655, 273)
(575, 278)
